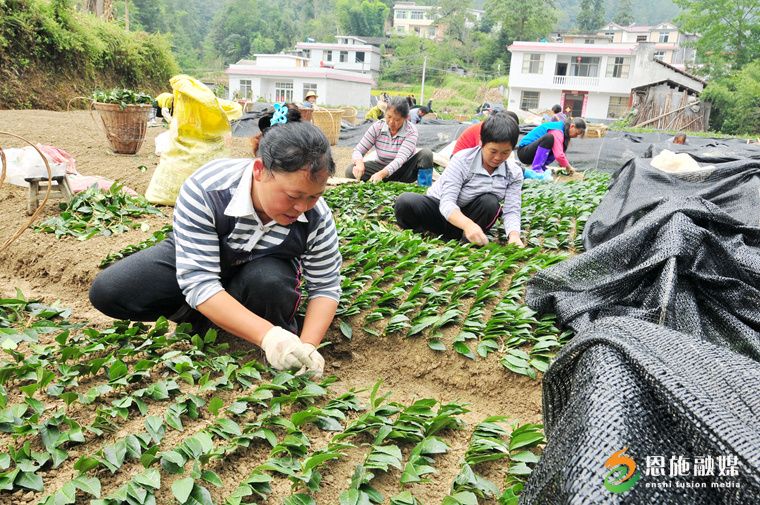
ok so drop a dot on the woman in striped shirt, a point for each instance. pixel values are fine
(244, 232)
(395, 141)
(478, 185)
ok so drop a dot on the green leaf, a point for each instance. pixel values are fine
(436, 344)
(527, 439)
(346, 329)
(155, 427)
(29, 480)
(214, 405)
(90, 485)
(463, 349)
(299, 499)
(182, 489)
(118, 370)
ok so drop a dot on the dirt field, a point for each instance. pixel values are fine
(62, 270)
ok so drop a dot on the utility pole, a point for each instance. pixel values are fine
(126, 15)
(422, 91)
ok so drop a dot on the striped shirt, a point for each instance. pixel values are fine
(392, 151)
(465, 179)
(197, 240)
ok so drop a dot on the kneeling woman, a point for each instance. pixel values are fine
(547, 142)
(467, 199)
(243, 231)
(394, 138)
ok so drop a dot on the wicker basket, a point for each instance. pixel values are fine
(349, 115)
(305, 113)
(125, 128)
(328, 120)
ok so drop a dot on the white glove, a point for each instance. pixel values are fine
(317, 367)
(284, 350)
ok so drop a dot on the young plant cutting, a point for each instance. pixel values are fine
(431, 392)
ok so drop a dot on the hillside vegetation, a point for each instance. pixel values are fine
(49, 54)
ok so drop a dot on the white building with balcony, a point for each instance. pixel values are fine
(422, 20)
(671, 45)
(349, 53)
(594, 80)
(287, 78)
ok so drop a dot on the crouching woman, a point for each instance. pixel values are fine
(478, 185)
(245, 231)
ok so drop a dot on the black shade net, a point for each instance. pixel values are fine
(665, 362)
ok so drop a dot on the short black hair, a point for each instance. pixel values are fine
(424, 110)
(510, 114)
(400, 105)
(556, 108)
(291, 147)
(499, 128)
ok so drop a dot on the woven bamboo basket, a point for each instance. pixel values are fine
(328, 120)
(125, 128)
(349, 115)
(305, 113)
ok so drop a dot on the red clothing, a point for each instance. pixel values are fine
(469, 138)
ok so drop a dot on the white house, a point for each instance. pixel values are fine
(671, 45)
(422, 20)
(282, 77)
(595, 80)
(348, 53)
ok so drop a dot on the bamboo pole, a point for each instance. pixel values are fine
(661, 116)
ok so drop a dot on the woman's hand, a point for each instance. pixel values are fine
(475, 234)
(379, 176)
(514, 238)
(358, 169)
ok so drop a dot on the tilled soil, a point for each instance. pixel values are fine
(61, 270)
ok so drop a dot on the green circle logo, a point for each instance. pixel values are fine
(623, 474)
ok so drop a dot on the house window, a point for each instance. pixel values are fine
(609, 34)
(529, 100)
(664, 36)
(343, 56)
(618, 106)
(584, 66)
(246, 90)
(588, 41)
(401, 14)
(307, 53)
(641, 38)
(659, 55)
(309, 86)
(328, 55)
(417, 15)
(618, 66)
(283, 91)
(533, 64)
(360, 57)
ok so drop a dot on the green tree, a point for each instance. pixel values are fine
(736, 101)
(591, 16)
(149, 15)
(624, 14)
(247, 26)
(455, 15)
(365, 18)
(522, 20)
(729, 31)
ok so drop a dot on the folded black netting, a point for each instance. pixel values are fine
(666, 360)
(661, 393)
(637, 187)
(686, 265)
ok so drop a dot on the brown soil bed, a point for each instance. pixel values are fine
(45, 268)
